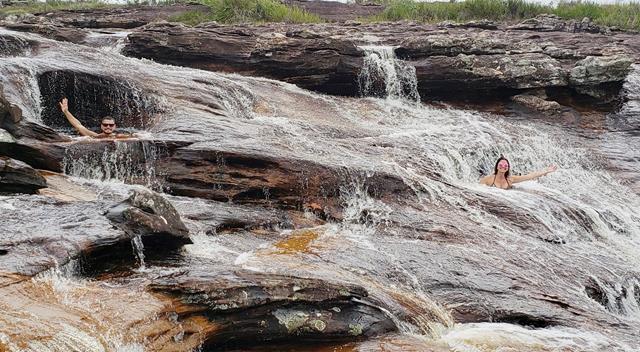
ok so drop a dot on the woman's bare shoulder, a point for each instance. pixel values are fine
(486, 179)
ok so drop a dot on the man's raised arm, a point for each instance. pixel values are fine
(64, 106)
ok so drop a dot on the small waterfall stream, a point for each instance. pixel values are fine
(383, 75)
(138, 247)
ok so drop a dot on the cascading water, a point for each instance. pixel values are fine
(127, 161)
(383, 75)
(515, 260)
(623, 132)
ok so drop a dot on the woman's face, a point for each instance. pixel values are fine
(503, 166)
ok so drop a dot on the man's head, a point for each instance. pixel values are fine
(108, 125)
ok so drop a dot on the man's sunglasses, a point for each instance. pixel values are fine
(109, 124)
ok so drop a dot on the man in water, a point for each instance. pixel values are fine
(107, 125)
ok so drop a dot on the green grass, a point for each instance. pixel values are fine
(460, 11)
(247, 11)
(40, 7)
(621, 15)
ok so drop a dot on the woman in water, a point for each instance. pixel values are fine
(502, 179)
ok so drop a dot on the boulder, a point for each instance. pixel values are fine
(147, 214)
(18, 177)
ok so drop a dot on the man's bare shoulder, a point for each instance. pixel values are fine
(116, 136)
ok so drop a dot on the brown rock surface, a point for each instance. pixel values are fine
(18, 177)
(247, 308)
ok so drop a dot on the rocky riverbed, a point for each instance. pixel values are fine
(250, 213)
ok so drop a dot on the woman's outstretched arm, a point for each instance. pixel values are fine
(533, 175)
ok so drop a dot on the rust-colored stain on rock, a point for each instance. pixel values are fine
(298, 242)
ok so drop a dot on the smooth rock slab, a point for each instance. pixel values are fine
(28, 246)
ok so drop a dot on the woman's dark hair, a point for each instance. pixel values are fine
(495, 169)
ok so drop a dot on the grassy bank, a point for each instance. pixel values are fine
(40, 7)
(620, 15)
(247, 11)
(258, 11)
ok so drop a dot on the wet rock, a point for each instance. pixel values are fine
(319, 63)
(251, 308)
(72, 230)
(52, 30)
(92, 96)
(18, 177)
(41, 155)
(12, 121)
(258, 179)
(148, 215)
(13, 46)
(28, 141)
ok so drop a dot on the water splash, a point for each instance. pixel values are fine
(494, 337)
(126, 161)
(383, 75)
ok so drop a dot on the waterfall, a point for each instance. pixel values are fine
(383, 75)
(138, 248)
(126, 161)
(631, 90)
(441, 242)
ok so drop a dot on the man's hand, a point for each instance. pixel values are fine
(64, 105)
(550, 169)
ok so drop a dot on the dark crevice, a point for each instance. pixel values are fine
(596, 293)
(120, 257)
(525, 320)
(93, 97)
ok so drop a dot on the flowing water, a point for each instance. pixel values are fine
(383, 75)
(126, 161)
(451, 243)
